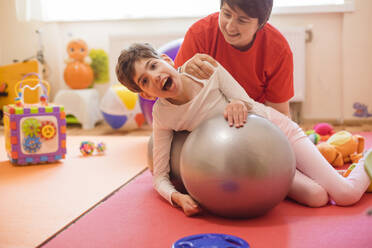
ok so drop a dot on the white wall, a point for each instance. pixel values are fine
(338, 58)
(17, 40)
(357, 57)
(323, 60)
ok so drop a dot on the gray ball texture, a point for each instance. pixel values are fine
(237, 172)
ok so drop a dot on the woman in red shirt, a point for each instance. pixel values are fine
(253, 51)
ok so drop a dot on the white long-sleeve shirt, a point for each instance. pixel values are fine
(212, 99)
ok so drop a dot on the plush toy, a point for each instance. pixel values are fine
(78, 74)
(100, 65)
(325, 130)
(342, 147)
(313, 136)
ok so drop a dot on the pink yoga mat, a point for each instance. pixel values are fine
(136, 216)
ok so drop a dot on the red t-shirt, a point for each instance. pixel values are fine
(265, 70)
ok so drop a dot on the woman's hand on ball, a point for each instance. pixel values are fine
(188, 205)
(236, 113)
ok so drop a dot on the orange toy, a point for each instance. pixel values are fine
(78, 74)
(342, 147)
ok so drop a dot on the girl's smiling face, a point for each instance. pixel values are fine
(237, 27)
(157, 78)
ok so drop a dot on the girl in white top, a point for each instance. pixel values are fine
(185, 101)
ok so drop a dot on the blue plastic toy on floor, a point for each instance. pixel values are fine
(211, 240)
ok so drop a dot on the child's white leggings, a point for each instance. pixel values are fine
(315, 178)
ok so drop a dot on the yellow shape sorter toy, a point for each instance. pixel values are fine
(34, 132)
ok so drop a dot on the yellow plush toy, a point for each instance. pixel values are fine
(342, 147)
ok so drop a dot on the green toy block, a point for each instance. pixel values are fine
(19, 111)
(34, 110)
(49, 109)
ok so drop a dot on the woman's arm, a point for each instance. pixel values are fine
(282, 107)
(191, 56)
(279, 88)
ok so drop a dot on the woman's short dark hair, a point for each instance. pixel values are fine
(260, 9)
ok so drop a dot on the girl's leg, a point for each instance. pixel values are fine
(305, 191)
(312, 164)
(344, 191)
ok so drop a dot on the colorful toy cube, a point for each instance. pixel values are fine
(35, 134)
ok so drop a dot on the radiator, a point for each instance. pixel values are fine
(297, 37)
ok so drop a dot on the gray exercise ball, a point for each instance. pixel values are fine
(178, 140)
(237, 172)
(175, 153)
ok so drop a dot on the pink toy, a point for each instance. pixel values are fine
(325, 130)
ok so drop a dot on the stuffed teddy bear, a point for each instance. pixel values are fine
(342, 147)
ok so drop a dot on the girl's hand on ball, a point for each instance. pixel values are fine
(188, 205)
(236, 113)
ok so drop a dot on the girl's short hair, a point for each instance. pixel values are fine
(125, 66)
(260, 9)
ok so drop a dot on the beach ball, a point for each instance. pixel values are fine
(121, 108)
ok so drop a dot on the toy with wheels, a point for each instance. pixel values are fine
(121, 109)
(171, 48)
(35, 132)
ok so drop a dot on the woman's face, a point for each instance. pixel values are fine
(237, 27)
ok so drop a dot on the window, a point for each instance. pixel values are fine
(91, 10)
(312, 6)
